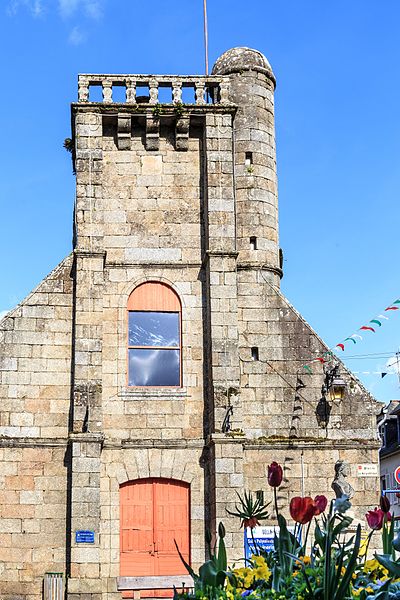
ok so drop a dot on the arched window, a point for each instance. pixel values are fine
(154, 336)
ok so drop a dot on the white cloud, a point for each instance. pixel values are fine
(35, 7)
(68, 7)
(94, 9)
(91, 8)
(76, 37)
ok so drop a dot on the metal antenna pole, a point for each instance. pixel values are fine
(205, 34)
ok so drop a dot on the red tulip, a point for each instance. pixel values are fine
(302, 510)
(384, 503)
(320, 503)
(275, 474)
(375, 518)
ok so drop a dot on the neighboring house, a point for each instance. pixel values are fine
(158, 369)
(389, 454)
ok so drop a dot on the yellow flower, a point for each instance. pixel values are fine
(363, 547)
(259, 561)
(261, 569)
(371, 565)
(356, 592)
(246, 576)
(303, 561)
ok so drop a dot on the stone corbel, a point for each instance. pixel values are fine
(152, 132)
(182, 133)
(124, 132)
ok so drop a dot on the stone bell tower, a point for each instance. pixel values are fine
(176, 262)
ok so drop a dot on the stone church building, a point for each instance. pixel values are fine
(158, 369)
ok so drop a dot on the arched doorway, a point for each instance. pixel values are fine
(153, 513)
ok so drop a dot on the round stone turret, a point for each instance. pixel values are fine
(241, 59)
(251, 88)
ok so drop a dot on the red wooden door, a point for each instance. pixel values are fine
(153, 512)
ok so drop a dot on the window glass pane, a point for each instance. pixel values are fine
(153, 329)
(154, 367)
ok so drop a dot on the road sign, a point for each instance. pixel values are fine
(397, 474)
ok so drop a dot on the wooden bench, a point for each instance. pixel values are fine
(160, 582)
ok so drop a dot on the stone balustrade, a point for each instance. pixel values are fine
(202, 90)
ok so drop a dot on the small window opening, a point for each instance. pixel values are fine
(254, 353)
(248, 161)
(253, 243)
(260, 496)
(281, 258)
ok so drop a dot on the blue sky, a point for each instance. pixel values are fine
(338, 139)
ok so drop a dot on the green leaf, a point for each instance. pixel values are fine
(319, 537)
(222, 561)
(221, 530)
(389, 564)
(220, 578)
(396, 543)
(345, 522)
(208, 573)
(340, 594)
(187, 566)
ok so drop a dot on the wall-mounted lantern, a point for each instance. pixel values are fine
(334, 384)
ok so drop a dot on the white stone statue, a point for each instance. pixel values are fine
(339, 485)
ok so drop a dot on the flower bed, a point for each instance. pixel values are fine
(327, 565)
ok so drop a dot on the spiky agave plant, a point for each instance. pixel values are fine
(251, 511)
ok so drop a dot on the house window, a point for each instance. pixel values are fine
(154, 336)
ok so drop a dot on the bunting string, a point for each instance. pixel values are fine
(355, 338)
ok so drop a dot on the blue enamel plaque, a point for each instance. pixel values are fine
(84, 536)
